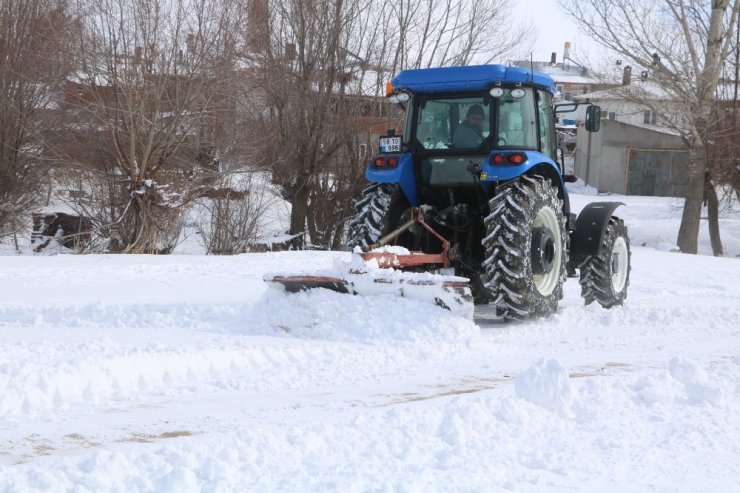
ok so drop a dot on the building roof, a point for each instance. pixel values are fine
(643, 90)
(567, 72)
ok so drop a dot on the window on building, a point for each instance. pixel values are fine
(612, 115)
(649, 118)
(567, 96)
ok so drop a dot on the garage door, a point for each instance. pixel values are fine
(662, 173)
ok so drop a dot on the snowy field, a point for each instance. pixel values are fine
(186, 373)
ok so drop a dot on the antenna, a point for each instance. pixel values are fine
(531, 67)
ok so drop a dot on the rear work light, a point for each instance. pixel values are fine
(392, 162)
(379, 162)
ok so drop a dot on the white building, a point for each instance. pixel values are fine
(639, 103)
(571, 81)
(638, 151)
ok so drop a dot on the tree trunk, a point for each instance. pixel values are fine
(688, 233)
(312, 223)
(713, 216)
(299, 207)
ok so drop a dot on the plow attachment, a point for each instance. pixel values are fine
(380, 271)
(448, 292)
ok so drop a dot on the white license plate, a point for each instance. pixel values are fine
(390, 144)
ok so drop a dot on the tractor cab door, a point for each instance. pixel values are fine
(517, 121)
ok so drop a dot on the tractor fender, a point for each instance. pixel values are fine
(505, 172)
(590, 227)
(403, 174)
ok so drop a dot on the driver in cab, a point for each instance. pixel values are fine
(470, 131)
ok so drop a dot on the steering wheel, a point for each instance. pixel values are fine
(501, 141)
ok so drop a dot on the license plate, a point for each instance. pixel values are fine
(390, 144)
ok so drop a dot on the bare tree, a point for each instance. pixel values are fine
(234, 214)
(33, 63)
(723, 170)
(683, 44)
(155, 84)
(325, 59)
(433, 33)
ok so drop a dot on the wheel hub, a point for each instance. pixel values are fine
(543, 250)
(620, 265)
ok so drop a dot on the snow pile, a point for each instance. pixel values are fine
(696, 384)
(546, 384)
(373, 317)
(394, 249)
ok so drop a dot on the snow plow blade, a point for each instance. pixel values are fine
(448, 292)
(296, 284)
(380, 272)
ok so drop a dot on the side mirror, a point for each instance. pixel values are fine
(593, 118)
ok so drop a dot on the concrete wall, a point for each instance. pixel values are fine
(602, 158)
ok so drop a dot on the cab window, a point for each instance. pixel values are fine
(546, 130)
(453, 123)
(517, 122)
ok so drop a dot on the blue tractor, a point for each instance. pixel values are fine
(477, 164)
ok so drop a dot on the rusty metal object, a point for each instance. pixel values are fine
(413, 259)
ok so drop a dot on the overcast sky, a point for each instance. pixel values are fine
(553, 28)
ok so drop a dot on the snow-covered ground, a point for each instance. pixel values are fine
(186, 373)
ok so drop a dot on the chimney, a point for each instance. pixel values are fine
(553, 59)
(566, 51)
(626, 75)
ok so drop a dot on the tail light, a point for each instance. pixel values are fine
(383, 162)
(515, 158)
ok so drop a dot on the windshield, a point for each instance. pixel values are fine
(453, 123)
(464, 123)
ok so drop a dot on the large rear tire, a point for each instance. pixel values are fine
(526, 248)
(605, 277)
(378, 210)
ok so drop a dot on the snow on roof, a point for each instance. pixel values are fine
(566, 73)
(649, 90)
(643, 90)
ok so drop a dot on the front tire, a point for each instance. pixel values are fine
(605, 277)
(526, 248)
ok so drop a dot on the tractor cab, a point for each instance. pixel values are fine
(467, 128)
